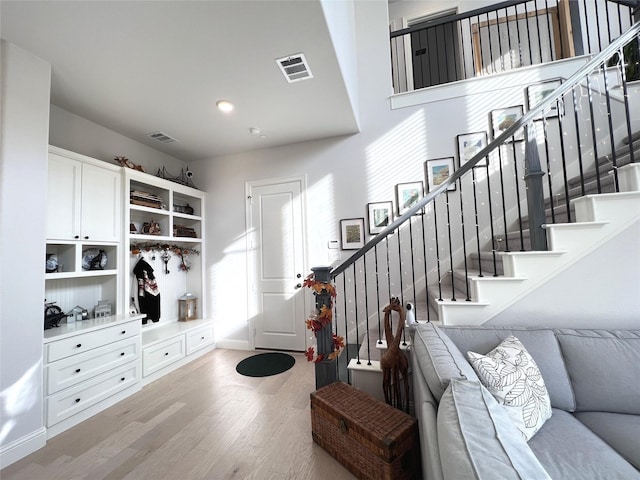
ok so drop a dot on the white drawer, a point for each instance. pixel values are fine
(83, 366)
(86, 341)
(66, 403)
(199, 338)
(160, 355)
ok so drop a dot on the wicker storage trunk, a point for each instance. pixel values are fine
(370, 438)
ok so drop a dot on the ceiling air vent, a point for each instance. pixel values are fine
(294, 67)
(161, 137)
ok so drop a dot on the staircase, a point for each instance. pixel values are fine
(464, 257)
(598, 218)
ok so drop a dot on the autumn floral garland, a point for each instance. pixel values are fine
(321, 318)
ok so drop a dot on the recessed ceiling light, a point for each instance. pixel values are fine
(224, 105)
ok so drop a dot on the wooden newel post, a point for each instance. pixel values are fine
(535, 194)
(326, 371)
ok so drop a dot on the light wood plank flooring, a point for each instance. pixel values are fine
(202, 421)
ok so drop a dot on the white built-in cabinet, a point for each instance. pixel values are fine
(92, 364)
(83, 198)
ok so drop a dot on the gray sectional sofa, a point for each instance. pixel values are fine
(593, 383)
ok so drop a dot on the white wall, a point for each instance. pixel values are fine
(602, 290)
(346, 173)
(80, 135)
(23, 182)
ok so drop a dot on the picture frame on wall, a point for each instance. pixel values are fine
(437, 171)
(352, 233)
(407, 195)
(537, 92)
(380, 216)
(503, 118)
(469, 144)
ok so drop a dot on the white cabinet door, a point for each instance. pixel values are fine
(83, 201)
(63, 198)
(100, 204)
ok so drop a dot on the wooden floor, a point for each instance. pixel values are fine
(203, 421)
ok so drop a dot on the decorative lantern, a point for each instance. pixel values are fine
(187, 306)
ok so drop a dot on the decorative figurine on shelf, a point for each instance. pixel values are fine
(151, 228)
(125, 162)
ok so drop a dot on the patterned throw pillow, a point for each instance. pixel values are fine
(514, 379)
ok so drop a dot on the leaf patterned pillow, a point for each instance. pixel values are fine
(514, 379)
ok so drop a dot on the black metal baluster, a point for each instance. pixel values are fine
(388, 271)
(517, 182)
(366, 306)
(606, 9)
(537, 17)
(587, 35)
(375, 250)
(545, 123)
(499, 42)
(493, 234)
(490, 42)
(506, 21)
(548, 17)
(595, 6)
(576, 106)
(480, 67)
(504, 205)
(477, 225)
(593, 135)
(626, 102)
(453, 286)
(426, 272)
(612, 142)
(413, 269)
(518, 32)
(564, 160)
(526, 23)
(355, 314)
(400, 294)
(464, 243)
(435, 223)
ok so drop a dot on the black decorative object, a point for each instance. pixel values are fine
(52, 315)
(183, 179)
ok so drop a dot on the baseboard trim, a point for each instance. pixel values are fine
(22, 447)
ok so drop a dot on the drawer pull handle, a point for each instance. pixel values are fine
(123, 332)
(86, 237)
(122, 379)
(122, 354)
(77, 370)
(77, 400)
(166, 353)
(76, 236)
(201, 338)
(78, 345)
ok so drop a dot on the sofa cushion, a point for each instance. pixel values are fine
(540, 343)
(568, 450)
(604, 367)
(620, 431)
(514, 379)
(439, 358)
(477, 440)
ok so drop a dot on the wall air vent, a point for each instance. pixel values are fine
(161, 137)
(294, 67)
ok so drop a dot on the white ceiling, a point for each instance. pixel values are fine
(138, 67)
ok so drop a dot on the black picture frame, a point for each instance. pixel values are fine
(379, 216)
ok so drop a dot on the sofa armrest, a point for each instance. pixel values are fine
(426, 409)
(478, 441)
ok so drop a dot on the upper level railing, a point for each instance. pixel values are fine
(572, 141)
(503, 37)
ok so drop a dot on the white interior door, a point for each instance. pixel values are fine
(275, 228)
